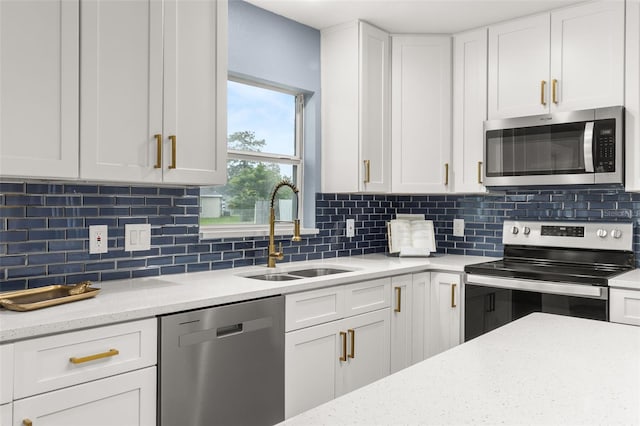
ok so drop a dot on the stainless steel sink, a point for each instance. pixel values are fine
(317, 272)
(274, 277)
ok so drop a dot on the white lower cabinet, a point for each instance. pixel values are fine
(99, 376)
(445, 311)
(624, 306)
(327, 360)
(126, 400)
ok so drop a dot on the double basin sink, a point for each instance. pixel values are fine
(298, 274)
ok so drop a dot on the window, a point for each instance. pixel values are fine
(264, 126)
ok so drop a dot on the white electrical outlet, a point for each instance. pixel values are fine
(458, 227)
(137, 237)
(351, 228)
(98, 239)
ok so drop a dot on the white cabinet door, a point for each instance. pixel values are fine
(421, 308)
(444, 326)
(355, 109)
(632, 97)
(6, 372)
(587, 56)
(39, 97)
(195, 79)
(121, 97)
(401, 322)
(375, 120)
(367, 350)
(624, 306)
(469, 109)
(311, 367)
(421, 114)
(127, 399)
(6, 415)
(519, 67)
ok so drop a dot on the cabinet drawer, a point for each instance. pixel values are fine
(624, 306)
(367, 296)
(48, 363)
(6, 373)
(314, 307)
(126, 399)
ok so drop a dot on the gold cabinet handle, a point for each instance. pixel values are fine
(480, 172)
(343, 335)
(398, 299)
(453, 295)
(352, 333)
(367, 171)
(173, 138)
(110, 352)
(158, 151)
(554, 91)
(27, 422)
(446, 173)
(543, 84)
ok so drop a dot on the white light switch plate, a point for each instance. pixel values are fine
(137, 237)
(458, 227)
(98, 239)
(351, 228)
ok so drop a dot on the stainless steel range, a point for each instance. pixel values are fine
(554, 267)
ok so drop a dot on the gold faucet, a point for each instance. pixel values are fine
(273, 254)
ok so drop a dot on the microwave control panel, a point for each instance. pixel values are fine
(605, 146)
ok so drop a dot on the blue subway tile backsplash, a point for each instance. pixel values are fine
(44, 228)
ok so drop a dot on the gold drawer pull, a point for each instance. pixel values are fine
(352, 332)
(453, 295)
(343, 335)
(398, 300)
(158, 151)
(110, 352)
(173, 138)
(27, 422)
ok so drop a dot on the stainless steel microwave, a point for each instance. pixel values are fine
(567, 148)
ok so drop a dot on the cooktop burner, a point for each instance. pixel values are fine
(562, 252)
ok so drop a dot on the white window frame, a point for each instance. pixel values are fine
(249, 230)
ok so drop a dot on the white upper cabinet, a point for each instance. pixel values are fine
(632, 97)
(568, 59)
(519, 67)
(469, 109)
(421, 114)
(154, 91)
(355, 109)
(39, 59)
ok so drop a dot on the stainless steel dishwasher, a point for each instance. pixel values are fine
(223, 365)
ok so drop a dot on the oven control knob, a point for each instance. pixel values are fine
(601, 233)
(616, 233)
(514, 230)
(526, 230)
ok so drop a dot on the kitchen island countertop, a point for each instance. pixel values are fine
(138, 298)
(541, 369)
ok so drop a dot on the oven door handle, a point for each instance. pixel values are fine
(588, 147)
(551, 287)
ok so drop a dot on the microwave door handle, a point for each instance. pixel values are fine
(588, 147)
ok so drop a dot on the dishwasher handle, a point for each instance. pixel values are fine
(225, 331)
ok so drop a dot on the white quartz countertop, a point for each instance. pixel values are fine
(541, 369)
(125, 300)
(629, 280)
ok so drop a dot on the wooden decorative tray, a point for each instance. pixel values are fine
(43, 297)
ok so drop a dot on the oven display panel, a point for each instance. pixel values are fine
(562, 231)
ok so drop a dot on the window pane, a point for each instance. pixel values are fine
(245, 198)
(260, 119)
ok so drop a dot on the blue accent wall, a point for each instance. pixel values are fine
(44, 228)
